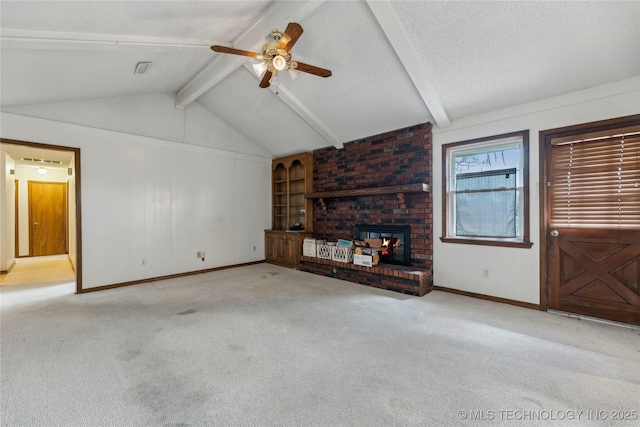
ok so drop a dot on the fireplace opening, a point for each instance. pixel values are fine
(394, 238)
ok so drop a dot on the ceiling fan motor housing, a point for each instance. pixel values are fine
(270, 52)
(276, 34)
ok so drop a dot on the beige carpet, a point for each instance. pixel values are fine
(264, 345)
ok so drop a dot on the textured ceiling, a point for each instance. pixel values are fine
(33, 76)
(490, 55)
(199, 22)
(394, 63)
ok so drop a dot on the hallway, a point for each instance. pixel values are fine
(36, 279)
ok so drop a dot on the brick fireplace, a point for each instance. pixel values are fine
(382, 180)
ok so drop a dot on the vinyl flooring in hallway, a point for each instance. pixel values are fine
(37, 278)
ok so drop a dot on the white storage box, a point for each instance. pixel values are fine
(342, 254)
(309, 247)
(324, 251)
(366, 260)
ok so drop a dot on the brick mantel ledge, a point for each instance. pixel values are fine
(400, 190)
(398, 278)
(373, 191)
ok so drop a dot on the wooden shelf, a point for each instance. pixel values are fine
(400, 190)
(408, 188)
(292, 178)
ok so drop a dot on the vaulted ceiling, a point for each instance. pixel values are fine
(394, 63)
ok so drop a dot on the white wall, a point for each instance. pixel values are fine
(513, 272)
(71, 214)
(7, 213)
(154, 116)
(160, 201)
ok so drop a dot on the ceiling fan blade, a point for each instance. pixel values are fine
(311, 69)
(265, 80)
(224, 49)
(290, 36)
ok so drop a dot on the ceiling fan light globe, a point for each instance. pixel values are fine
(279, 63)
(293, 73)
(275, 79)
(260, 68)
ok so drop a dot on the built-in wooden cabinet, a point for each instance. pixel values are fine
(284, 247)
(292, 180)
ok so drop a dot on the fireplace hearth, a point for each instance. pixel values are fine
(394, 238)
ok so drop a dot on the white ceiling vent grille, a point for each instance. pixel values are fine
(52, 162)
(142, 67)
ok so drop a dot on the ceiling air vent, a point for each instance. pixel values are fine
(142, 67)
(53, 162)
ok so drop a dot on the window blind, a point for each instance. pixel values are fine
(596, 183)
(486, 204)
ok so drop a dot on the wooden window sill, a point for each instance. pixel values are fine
(524, 245)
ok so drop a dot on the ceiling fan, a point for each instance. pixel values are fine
(276, 56)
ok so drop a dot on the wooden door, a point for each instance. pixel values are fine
(592, 220)
(48, 218)
(269, 247)
(595, 273)
(293, 249)
(280, 249)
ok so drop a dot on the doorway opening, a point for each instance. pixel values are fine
(47, 187)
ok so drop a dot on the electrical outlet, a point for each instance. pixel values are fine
(143, 262)
(254, 248)
(485, 272)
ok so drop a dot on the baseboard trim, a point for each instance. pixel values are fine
(488, 298)
(13, 264)
(73, 266)
(170, 276)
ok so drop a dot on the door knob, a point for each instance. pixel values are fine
(36, 223)
(554, 233)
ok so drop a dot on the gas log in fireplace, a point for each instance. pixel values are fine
(395, 241)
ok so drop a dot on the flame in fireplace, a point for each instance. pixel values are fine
(386, 242)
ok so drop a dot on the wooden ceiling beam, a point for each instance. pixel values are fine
(388, 19)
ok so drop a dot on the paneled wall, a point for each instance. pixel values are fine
(7, 213)
(149, 205)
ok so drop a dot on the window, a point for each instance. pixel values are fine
(486, 191)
